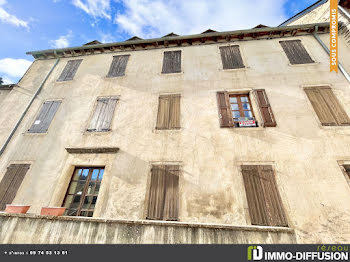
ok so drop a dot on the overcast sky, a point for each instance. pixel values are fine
(27, 25)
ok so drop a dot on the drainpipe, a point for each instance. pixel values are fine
(27, 108)
(341, 68)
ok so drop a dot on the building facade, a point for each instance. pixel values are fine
(221, 137)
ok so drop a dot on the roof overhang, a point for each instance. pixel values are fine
(164, 42)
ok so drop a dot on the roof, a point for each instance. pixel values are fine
(175, 41)
(94, 42)
(7, 87)
(304, 12)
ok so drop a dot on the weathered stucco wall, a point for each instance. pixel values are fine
(4, 93)
(303, 153)
(68, 230)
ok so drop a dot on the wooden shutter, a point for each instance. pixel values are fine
(169, 112)
(296, 52)
(225, 114)
(347, 170)
(70, 70)
(231, 57)
(265, 108)
(264, 202)
(163, 195)
(171, 62)
(11, 182)
(327, 106)
(102, 117)
(43, 120)
(118, 66)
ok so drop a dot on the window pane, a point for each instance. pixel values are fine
(97, 188)
(77, 174)
(68, 201)
(71, 212)
(87, 202)
(246, 106)
(236, 114)
(244, 98)
(94, 199)
(79, 188)
(101, 174)
(90, 188)
(73, 188)
(248, 114)
(90, 213)
(94, 174)
(233, 99)
(76, 202)
(84, 174)
(234, 107)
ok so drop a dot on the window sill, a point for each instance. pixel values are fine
(35, 134)
(96, 133)
(175, 130)
(172, 74)
(301, 65)
(234, 69)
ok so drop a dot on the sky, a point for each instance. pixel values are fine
(29, 25)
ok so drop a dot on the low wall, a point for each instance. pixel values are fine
(35, 229)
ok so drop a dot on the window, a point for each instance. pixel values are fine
(240, 106)
(11, 182)
(231, 57)
(168, 112)
(264, 201)
(118, 66)
(70, 70)
(102, 117)
(163, 194)
(327, 106)
(346, 170)
(83, 190)
(171, 62)
(46, 114)
(296, 52)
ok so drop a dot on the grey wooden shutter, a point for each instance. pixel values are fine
(171, 62)
(156, 193)
(296, 52)
(118, 66)
(46, 114)
(327, 107)
(171, 205)
(11, 182)
(69, 70)
(264, 201)
(225, 113)
(231, 57)
(265, 108)
(102, 117)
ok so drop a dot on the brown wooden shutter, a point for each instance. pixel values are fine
(225, 114)
(43, 120)
(102, 117)
(169, 112)
(174, 112)
(296, 52)
(265, 108)
(156, 193)
(118, 66)
(171, 62)
(11, 182)
(70, 70)
(264, 202)
(171, 208)
(231, 57)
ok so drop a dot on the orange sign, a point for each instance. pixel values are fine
(333, 35)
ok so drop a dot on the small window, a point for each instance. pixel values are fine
(83, 191)
(11, 182)
(240, 106)
(231, 57)
(118, 66)
(102, 117)
(296, 52)
(168, 112)
(264, 201)
(70, 70)
(327, 106)
(171, 62)
(43, 120)
(164, 193)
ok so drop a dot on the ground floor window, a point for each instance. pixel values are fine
(83, 190)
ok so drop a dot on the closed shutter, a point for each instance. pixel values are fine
(118, 66)
(296, 52)
(43, 120)
(169, 112)
(231, 57)
(347, 170)
(171, 62)
(265, 108)
(163, 194)
(327, 106)
(70, 70)
(225, 114)
(264, 202)
(11, 182)
(102, 117)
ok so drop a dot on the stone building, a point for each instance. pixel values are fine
(220, 137)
